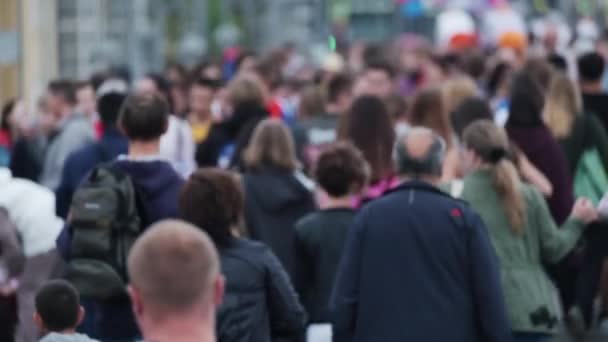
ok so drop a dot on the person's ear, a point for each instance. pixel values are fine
(39, 322)
(166, 126)
(218, 291)
(136, 302)
(81, 314)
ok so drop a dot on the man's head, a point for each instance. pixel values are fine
(58, 307)
(379, 77)
(108, 107)
(144, 117)
(591, 67)
(339, 93)
(86, 98)
(60, 98)
(419, 154)
(175, 275)
(342, 170)
(201, 96)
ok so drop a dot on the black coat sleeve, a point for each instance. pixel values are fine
(287, 316)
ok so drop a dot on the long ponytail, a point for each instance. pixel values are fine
(490, 143)
(507, 184)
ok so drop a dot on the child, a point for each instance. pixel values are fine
(58, 312)
(341, 175)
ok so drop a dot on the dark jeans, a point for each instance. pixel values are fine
(588, 280)
(531, 337)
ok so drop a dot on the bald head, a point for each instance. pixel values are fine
(420, 153)
(173, 267)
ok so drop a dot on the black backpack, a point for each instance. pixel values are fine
(105, 220)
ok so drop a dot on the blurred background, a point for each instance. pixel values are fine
(45, 39)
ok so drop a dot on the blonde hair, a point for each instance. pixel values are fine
(456, 90)
(491, 144)
(562, 105)
(271, 145)
(246, 89)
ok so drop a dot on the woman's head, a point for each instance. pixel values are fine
(271, 145)
(469, 111)
(563, 104)
(456, 90)
(527, 101)
(487, 147)
(312, 102)
(246, 90)
(212, 199)
(428, 110)
(368, 126)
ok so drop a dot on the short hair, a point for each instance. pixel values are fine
(338, 85)
(591, 67)
(429, 161)
(558, 62)
(79, 85)
(341, 170)
(223, 199)
(58, 305)
(108, 107)
(469, 111)
(205, 82)
(246, 89)
(272, 145)
(64, 89)
(144, 117)
(381, 65)
(173, 266)
(7, 111)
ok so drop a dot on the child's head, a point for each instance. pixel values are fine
(58, 307)
(341, 170)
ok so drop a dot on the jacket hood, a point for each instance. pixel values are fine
(153, 178)
(276, 190)
(56, 337)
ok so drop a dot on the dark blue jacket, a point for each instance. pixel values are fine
(418, 266)
(159, 186)
(80, 162)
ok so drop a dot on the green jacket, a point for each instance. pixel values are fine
(527, 287)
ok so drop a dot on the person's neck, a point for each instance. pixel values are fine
(433, 180)
(345, 202)
(591, 87)
(199, 117)
(144, 148)
(181, 330)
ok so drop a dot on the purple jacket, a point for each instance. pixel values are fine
(544, 152)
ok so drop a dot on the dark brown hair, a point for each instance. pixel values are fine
(212, 199)
(144, 117)
(428, 110)
(341, 170)
(368, 126)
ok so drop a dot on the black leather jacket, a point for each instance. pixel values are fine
(260, 304)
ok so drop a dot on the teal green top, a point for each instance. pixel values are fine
(526, 285)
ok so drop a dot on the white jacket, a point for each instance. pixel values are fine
(32, 209)
(177, 146)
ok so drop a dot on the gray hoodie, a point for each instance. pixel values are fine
(56, 337)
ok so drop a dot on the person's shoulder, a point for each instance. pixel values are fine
(309, 222)
(250, 251)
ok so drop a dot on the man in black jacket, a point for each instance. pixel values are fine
(418, 265)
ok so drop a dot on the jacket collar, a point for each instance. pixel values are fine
(417, 185)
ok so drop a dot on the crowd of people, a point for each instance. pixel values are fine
(398, 192)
